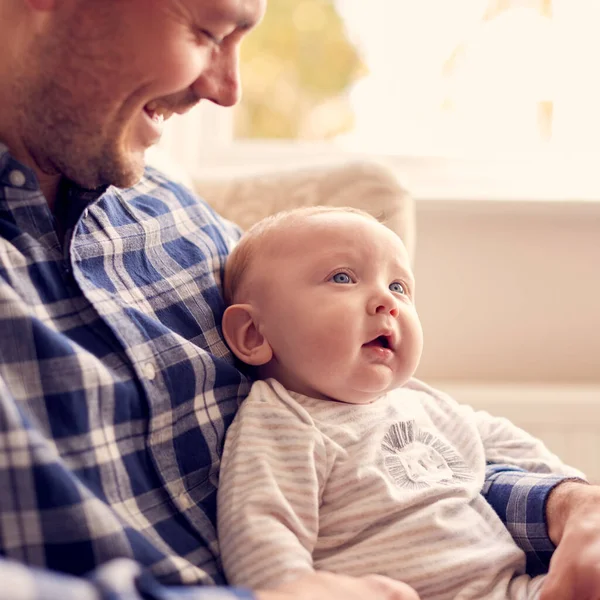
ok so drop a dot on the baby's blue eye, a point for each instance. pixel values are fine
(397, 287)
(341, 278)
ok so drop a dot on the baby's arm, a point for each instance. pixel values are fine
(506, 443)
(268, 499)
(503, 442)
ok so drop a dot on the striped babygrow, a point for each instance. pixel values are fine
(392, 487)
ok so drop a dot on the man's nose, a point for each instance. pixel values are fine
(220, 81)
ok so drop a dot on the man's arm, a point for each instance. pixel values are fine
(120, 579)
(520, 498)
(21, 461)
(555, 520)
(573, 517)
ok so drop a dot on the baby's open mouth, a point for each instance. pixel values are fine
(381, 341)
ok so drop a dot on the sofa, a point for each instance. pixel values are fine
(365, 184)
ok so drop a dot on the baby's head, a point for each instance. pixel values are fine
(322, 299)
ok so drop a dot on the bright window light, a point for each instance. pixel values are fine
(444, 77)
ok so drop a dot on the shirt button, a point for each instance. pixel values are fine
(149, 371)
(17, 178)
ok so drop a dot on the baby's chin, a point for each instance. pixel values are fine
(359, 396)
(371, 393)
(347, 392)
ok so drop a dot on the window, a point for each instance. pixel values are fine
(430, 77)
(297, 69)
(469, 98)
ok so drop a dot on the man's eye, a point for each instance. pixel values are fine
(341, 278)
(397, 287)
(205, 35)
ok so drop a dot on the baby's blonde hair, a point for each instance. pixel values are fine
(251, 242)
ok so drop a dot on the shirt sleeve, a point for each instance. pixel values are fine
(519, 498)
(117, 579)
(120, 579)
(521, 473)
(268, 498)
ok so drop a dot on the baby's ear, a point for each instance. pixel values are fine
(243, 337)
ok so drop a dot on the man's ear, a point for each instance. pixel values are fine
(243, 337)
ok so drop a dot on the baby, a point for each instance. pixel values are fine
(338, 460)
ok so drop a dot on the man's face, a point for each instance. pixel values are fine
(104, 74)
(336, 303)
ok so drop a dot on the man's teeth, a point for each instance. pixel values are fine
(157, 114)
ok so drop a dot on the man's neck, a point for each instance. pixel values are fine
(49, 184)
(15, 34)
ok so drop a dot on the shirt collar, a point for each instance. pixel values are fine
(22, 202)
(71, 200)
(14, 174)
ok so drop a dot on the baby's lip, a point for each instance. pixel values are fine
(384, 339)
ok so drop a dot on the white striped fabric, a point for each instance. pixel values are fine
(391, 487)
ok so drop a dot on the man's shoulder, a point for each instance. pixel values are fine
(158, 197)
(155, 183)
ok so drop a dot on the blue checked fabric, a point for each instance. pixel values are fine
(519, 498)
(116, 389)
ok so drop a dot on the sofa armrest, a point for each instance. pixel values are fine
(367, 185)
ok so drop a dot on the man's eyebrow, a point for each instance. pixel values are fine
(246, 24)
(241, 26)
(242, 22)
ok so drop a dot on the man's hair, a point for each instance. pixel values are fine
(254, 240)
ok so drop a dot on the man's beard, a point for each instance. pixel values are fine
(69, 134)
(63, 145)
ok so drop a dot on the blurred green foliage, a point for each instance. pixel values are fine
(296, 68)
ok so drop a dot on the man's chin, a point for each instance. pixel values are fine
(124, 172)
(129, 179)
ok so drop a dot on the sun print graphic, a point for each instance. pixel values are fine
(417, 459)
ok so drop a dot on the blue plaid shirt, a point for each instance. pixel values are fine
(116, 389)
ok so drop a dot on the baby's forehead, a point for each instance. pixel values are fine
(322, 225)
(299, 238)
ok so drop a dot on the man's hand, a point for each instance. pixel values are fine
(328, 586)
(573, 515)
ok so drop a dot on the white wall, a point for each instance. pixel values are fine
(508, 283)
(507, 261)
(509, 291)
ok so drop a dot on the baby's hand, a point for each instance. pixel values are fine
(329, 586)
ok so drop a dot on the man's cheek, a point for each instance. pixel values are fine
(178, 68)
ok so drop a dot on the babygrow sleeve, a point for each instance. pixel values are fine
(268, 499)
(506, 443)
